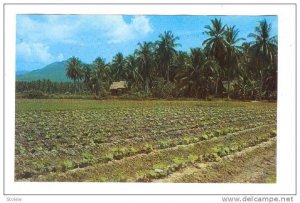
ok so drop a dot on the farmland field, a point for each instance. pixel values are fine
(145, 141)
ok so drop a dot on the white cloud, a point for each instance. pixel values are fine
(51, 29)
(141, 24)
(73, 29)
(38, 36)
(36, 52)
(118, 31)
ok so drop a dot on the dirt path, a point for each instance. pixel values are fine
(254, 165)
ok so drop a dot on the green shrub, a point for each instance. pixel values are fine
(67, 164)
(234, 147)
(104, 92)
(29, 138)
(35, 94)
(173, 167)
(160, 166)
(204, 137)
(179, 162)
(140, 95)
(21, 150)
(193, 158)
(195, 139)
(212, 157)
(163, 144)
(147, 148)
(156, 173)
(87, 158)
(162, 88)
(187, 140)
(99, 140)
(120, 152)
(132, 151)
(38, 166)
(101, 179)
(118, 155)
(260, 139)
(217, 133)
(223, 151)
(108, 157)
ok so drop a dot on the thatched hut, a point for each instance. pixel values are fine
(117, 88)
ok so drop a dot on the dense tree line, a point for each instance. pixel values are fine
(46, 86)
(224, 66)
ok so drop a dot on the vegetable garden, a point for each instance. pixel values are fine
(143, 141)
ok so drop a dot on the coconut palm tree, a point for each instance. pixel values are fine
(87, 75)
(166, 50)
(216, 74)
(118, 67)
(180, 65)
(233, 53)
(74, 71)
(215, 44)
(134, 77)
(144, 54)
(198, 78)
(99, 75)
(264, 51)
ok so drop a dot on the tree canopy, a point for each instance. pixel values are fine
(226, 65)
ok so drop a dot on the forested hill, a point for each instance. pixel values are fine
(55, 72)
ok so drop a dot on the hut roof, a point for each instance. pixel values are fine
(118, 85)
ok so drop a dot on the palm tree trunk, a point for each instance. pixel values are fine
(147, 85)
(168, 72)
(78, 86)
(228, 79)
(168, 75)
(261, 85)
(75, 86)
(217, 84)
(228, 86)
(97, 93)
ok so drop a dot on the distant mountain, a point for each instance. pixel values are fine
(21, 72)
(55, 72)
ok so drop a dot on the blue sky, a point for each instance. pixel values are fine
(44, 39)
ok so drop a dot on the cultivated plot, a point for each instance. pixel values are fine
(145, 141)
